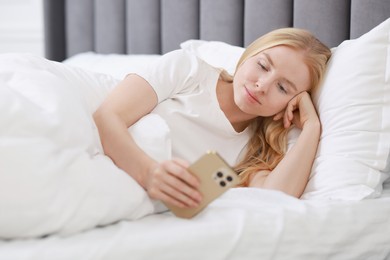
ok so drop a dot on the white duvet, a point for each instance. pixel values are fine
(53, 175)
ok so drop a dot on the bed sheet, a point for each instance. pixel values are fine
(242, 224)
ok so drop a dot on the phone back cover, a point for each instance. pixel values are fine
(207, 168)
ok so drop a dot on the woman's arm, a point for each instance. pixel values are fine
(129, 101)
(293, 172)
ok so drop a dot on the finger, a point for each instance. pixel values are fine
(297, 120)
(181, 162)
(181, 173)
(182, 180)
(163, 182)
(287, 122)
(160, 195)
(291, 108)
(180, 191)
(183, 188)
(286, 118)
(279, 115)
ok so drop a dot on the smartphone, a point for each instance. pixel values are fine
(215, 176)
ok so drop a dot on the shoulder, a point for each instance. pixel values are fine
(182, 67)
(178, 71)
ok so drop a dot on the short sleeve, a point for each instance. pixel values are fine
(173, 73)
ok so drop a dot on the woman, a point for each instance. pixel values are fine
(206, 108)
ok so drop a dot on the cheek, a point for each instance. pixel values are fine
(252, 74)
(246, 72)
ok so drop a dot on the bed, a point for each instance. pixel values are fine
(61, 198)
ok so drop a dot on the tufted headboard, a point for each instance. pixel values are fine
(159, 26)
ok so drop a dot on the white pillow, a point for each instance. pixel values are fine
(215, 53)
(116, 65)
(354, 106)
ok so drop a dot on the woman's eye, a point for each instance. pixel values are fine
(282, 89)
(262, 66)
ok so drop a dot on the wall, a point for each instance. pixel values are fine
(21, 26)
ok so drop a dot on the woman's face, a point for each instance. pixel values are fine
(265, 83)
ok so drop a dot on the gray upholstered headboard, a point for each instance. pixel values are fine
(159, 26)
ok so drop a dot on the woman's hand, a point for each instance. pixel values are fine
(299, 111)
(170, 182)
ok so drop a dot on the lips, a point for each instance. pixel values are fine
(251, 96)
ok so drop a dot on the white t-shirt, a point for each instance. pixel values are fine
(186, 89)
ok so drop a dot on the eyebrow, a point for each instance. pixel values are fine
(272, 64)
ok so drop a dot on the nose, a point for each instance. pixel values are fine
(262, 86)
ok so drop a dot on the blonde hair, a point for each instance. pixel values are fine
(268, 145)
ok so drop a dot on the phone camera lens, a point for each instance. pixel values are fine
(222, 183)
(229, 178)
(220, 174)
